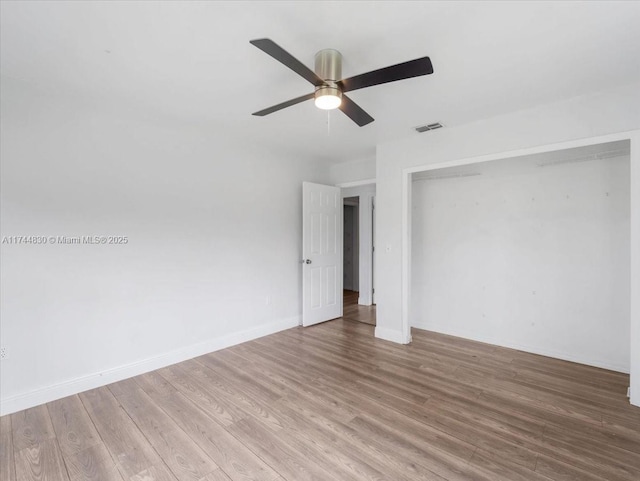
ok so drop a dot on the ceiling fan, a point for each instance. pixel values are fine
(329, 87)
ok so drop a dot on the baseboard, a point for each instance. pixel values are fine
(73, 386)
(363, 301)
(391, 335)
(526, 348)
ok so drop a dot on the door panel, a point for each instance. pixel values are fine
(322, 252)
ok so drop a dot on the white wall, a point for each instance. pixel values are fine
(576, 118)
(214, 242)
(534, 258)
(353, 171)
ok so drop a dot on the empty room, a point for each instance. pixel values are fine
(323, 240)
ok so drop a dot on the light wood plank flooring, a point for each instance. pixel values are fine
(331, 402)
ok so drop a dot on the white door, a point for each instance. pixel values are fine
(322, 253)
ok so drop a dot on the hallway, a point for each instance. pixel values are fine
(355, 312)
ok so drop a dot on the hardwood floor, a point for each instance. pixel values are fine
(331, 402)
(355, 312)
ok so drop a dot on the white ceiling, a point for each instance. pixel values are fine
(191, 62)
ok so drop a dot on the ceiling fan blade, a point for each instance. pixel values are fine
(401, 71)
(281, 55)
(283, 105)
(355, 112)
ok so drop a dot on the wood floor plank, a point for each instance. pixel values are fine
(396, 376)
(393, 385)
(359, 455)
(625, 456)
(31, 427)
(559, 471)
(367, 408)
(571, 453)
(626, 427)
(202, 394)
(450, 463)
(245, 397)
(159, 472)
(595, 461)
(412, 429)
(257, 366)
(597, 435)
(229, 454)
(569, 369)
(586, 397)
(72, 425)
(360, 446)
(7, 463)
(268, 445)
(396, 460)
(318, 441)
(476, 411)
(281, 362)
(224, 370)
(459, 429)
(183, 456)
(568, 407)
(127, 445)
(458, 352)
(92, 464)
(304, 392)
(605, 395)
(123, 387)
(219, 475)
(154, 383)
(501, 468)
(445, 466)
(41, 461)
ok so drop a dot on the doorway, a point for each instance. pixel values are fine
(525, 252)
(405, 256)
(358, 259)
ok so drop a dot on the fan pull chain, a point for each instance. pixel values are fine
(328, 123)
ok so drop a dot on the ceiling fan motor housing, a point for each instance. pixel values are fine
(328, 66)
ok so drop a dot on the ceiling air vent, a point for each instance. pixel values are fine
(424, 128)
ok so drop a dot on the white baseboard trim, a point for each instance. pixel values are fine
(390, 335)
(633, 398)
(74, 386)
(526, 348)
(362, 301)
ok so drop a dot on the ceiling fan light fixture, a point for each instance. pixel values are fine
(328, 97)
(328, 81)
